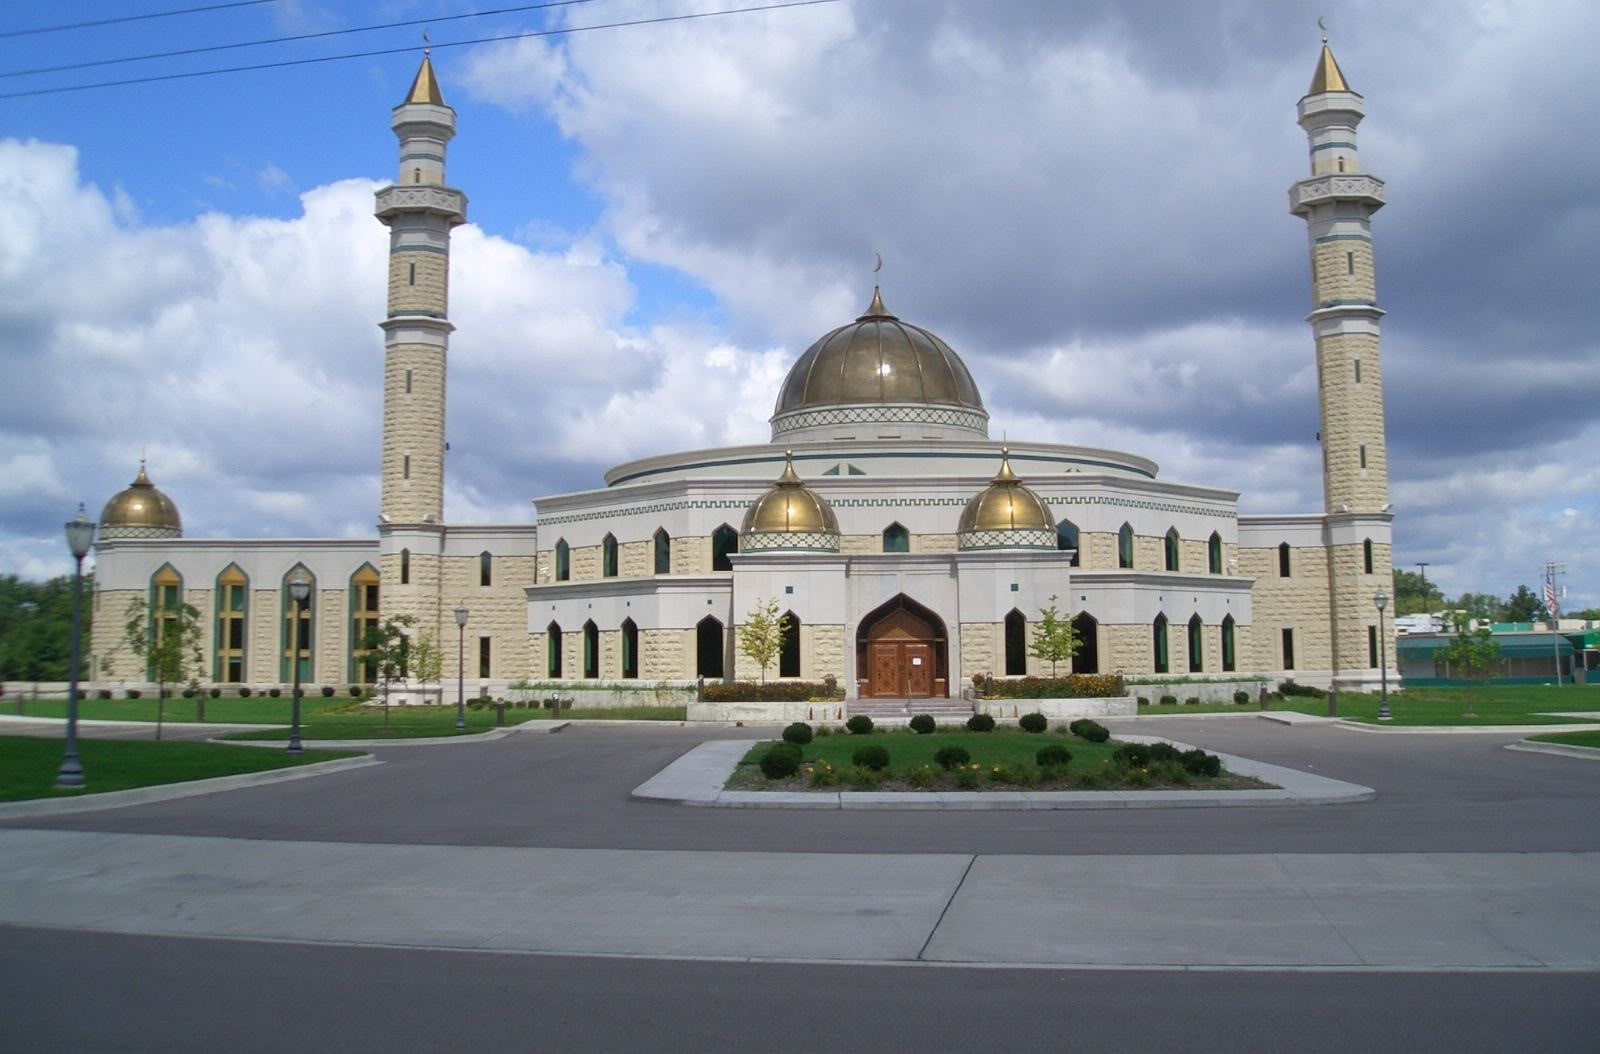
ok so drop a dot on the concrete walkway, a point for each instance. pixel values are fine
(1382, 911)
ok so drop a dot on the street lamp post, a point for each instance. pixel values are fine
(80, 535)
(299, 590)
(1381, 601)
(461, 668)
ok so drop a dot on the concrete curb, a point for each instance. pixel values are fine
(102, 723)
(543, 727)
(1563, 750)
(170, 791)
(1465, 730)
(697, 778)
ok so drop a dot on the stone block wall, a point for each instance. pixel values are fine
(1343, 271)
(498, 611)
(636, 559)
(1354, 611)
(430, 291)
(1352, 417)
(413, 426)
(1301, 602)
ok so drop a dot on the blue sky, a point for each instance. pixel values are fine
(1086, 199)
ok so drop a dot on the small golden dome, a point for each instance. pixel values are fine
(790, 507)
(140, 511)
(1006, 505)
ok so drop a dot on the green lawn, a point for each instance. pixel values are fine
(28, 764)
(1571, 739)
(1486, 705)
(258, 709)
(416, 722)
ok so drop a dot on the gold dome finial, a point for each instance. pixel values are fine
(425, 88)
(876, 308)
(1328, 76)
(1005, 475)
(790, 478)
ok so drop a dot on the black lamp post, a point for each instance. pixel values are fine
(80, 535)
(461, 668)
(1381, 601)
(299, 590)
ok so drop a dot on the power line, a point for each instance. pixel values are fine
(288, 39)
(412, 47)
(131, 18)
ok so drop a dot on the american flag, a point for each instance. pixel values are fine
(1550, 598)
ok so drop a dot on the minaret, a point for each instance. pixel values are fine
(419, 210)
(1337, 203)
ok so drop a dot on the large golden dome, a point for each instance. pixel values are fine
(1006, 514)
(790, 515)
(140, 511)
(879, 361)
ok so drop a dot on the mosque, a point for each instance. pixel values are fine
(907, 549)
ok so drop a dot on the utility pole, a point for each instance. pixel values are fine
(1422, 569)
(1553, 571)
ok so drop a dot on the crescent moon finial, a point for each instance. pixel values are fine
(1322, 24)
(878, 264)
(426, 42)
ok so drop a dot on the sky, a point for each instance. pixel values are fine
(1086, 199)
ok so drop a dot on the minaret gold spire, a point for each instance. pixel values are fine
(425, 88)
(1328, 76)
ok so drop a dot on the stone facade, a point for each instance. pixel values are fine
(413, 433)
(1299, 603)
(498, 611)
(1354, 448)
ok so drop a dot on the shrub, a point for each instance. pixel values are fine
(770, 692)
(1241, 697)
(1093, 731)
(1169, 700)
(104, 693)
(1132, 755)
(355, 691)
(780, 763)
(1014, 775)
(923, 777)
(1144, 700)
(1198, 763)
(859, 725)
(1034, 723)
(1290, 688)
(244, 691)
(1171, 772)
(980, 685)
(1163, 752)
(1193, 700)
(188, 693)
(1053, 755)
(949, 758)
(275, 692)
(1072, 686)
(824, 730)
(875, 757)
(825, 775)
(327, 691)
(134, 693)
(980, 723)
(798, 733)
(864, 779)
(922, 724)
(216, 693)
(968, 777)
(1136, 778)
(1092, 779)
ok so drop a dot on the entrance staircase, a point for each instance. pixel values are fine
(899, 711)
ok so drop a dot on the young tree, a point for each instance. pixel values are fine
(427, 664)
(763, 635)
(1524, 606)
(388, 653)
(1472, 653)
(168, 640)
(1056, 639)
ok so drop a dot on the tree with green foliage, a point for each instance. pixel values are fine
(168, 639)
(1056, 639)
(1475, 606)
(1587, 614)
(427, 664)
(36, 627)
(1414, 594)
(1524, 606)
(763, 635)
(1472, 653)
(389, 653)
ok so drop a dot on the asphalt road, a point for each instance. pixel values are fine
(91, 992)
(1436, 793)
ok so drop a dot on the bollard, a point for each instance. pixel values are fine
(499, 713)
(1333, 702)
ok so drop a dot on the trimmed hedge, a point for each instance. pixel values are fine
(922, 724)
(1290, 688)
(951, 757)
(859, 725)
(1072, 686)
(1093, 731)
(874, 757)
(798, 733)
(327, 691)
(780, 761)
(275, 692)
(1053, 755)
(1169, 700)
(1198, 763)
(134, 693)
(1241, 697)
(244, 691)
(770, 692)
(980, 723)
(1034, 723)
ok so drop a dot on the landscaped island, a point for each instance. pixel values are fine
(977, 756)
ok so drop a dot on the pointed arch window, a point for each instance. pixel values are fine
(591, 650)
(363, 620)
(485, 569)
(1171, 547)
(233, 621)
(789, 654)
(1016, 643)
(166, 603)
(663, 543)
(1366, 555)
(1067, 538)
(298, 639)
(1214, 553)
(1087, 658)
(405, 567)
(552, 650)
(710, 643)
(1283, 560)
(896, 539)
(1125, 546)
(563, 560)
(724, 543)
(630, 649)
(1158, 642)
(1197, 654)
(608, 556)
(1230, 655)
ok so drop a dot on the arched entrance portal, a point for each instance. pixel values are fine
(902, 652)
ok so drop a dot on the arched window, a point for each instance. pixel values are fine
(663, 542)
(1197, 655)
(1158, 643)
(724, 542)
(1087, 658)
(1366, 555)
(166, 605)
(1230, 661)
(591, 650)
(608, 556)
(405, 567)
(1125, 546)
(1214, 553)
(1016, 643)
(630, 649)
(233, 620)
(789, 655)
(896, 539)
(1172, 548)
(552, 652)
(363, 620)
(1067, 538)
(1283, 559)
(485, 569)
(298, 640)
(563, 560)
(710, 643)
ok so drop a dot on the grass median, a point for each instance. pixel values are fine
(28, 764)
(426, 722)
(1571, 739)
(1485, 705)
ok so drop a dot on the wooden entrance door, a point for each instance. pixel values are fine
(902, 658)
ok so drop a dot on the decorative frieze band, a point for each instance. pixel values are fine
(790, 541)
(976, 420)
(1007, 540)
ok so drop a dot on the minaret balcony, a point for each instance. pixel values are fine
(1323, 190)
(443, 201)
